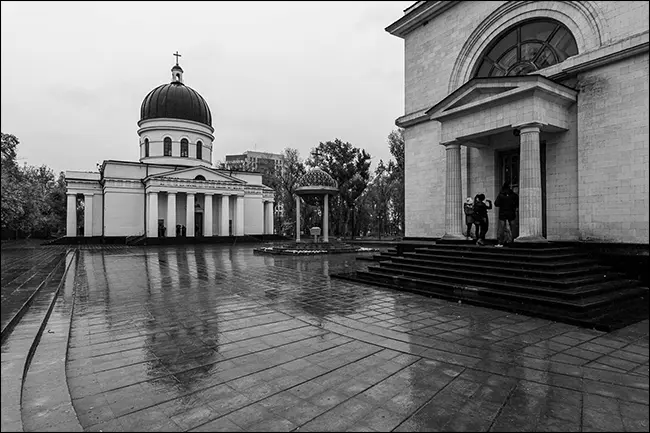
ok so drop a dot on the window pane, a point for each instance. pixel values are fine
(564, 45)
(538, 30)
(547, 58)
(508, 59)
(522, 68)
(503, 45)
(530, 50)
(496, 72)
(484, 69)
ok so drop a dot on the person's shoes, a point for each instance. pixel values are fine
(498, 245)
(480, 242)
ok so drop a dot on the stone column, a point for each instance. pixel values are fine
(530, 185)
(88, 215)
(297, 218)
(171, 214)
(239, 224)
(207, 213)
(71, 221)
(269, 217)
(152, 218)
(189, 215)
(225, 215)
(453, 194)
(326, 218)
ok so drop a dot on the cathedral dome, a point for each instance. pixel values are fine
(176, 101)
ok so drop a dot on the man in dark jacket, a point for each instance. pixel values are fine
(481, 215)
(508, 203)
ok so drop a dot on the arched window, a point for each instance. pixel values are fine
(184, 148)
(167, 146)
(527, 47)
(199, 177)
(146, 147)
(199, 150)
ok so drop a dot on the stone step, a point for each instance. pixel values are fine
(566, 261)
(466, 276)
(522, 269)
(605, 311)
(505, 252)
(20, 342)
(46, 404)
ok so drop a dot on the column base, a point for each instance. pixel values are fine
(450, 237)
(531, 239)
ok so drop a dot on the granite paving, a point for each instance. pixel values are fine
(217, 338)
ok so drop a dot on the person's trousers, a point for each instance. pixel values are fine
(483, 225)
(504, 231)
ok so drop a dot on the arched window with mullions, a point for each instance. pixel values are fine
(525, 48)
(185, 148)
(199, 150)
(167, 146)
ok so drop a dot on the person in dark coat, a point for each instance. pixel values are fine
(508, 203)
(481, 215)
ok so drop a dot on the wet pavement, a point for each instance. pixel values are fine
(216, 338)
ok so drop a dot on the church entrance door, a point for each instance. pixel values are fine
(198, 224)
(509, 171)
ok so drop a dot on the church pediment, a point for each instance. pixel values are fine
(482, 93)
(198, 173)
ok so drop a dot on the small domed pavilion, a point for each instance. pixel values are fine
(316, 182)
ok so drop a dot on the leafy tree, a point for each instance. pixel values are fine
(33, 203)
(350, 167)
(396, 146)
(284, 182)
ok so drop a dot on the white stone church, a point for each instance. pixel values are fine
(173, 190)
(551, 96)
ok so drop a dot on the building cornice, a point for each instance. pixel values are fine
(418, 15)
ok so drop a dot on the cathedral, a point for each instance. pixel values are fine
(549, 96)
(172, 190)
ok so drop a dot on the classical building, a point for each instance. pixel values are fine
(549, 95)
(173, 189)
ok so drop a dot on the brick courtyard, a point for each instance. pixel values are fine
(215, 338)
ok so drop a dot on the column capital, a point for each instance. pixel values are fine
(529, 127)
(88, 194)
(172, 192)
(450, 145)
(190, 193)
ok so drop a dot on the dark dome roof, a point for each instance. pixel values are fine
(176, 101)
(316, 180)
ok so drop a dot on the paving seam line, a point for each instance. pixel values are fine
(14, 320)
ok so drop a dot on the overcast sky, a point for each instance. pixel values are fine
(275, 74)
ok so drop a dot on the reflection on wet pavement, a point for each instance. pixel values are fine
(216, 338)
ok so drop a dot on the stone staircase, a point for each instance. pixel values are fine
(560, 283)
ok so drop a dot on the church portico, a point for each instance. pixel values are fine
(480, 110)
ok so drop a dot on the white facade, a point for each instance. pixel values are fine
(173, 190)
(577, 128)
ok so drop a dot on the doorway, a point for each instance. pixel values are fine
(509, 165)
(198, 224)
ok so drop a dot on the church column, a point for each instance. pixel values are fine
(88, 215)
(269, 217)
(71, 221)
(239, 225)
(171, 214)
(189, 214)
(530, 185)
(453, 194)
(152, 220)
(297, 218)
(326, 218)
(225, 215)
(207, 212)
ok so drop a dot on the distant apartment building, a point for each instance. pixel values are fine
(263, 162)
